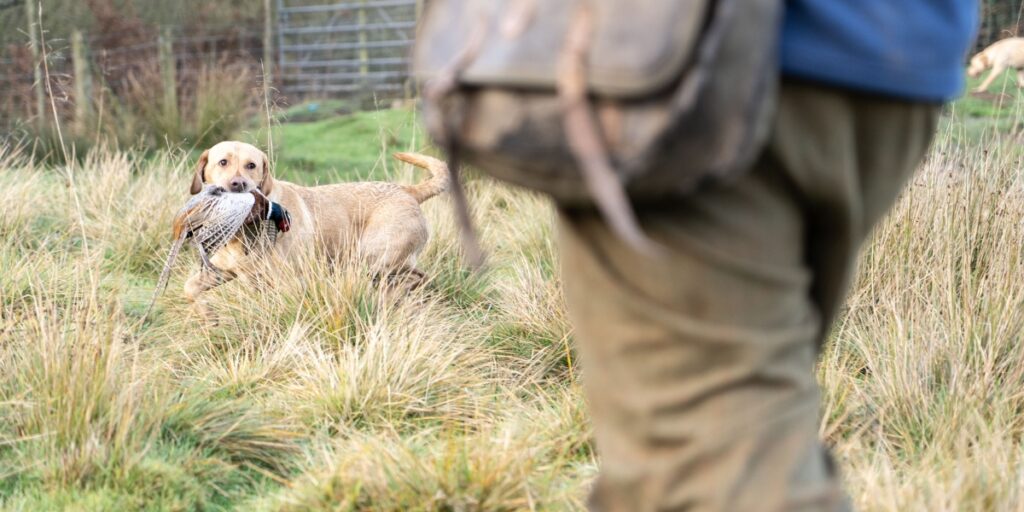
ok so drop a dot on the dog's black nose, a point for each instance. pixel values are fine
(237, 185)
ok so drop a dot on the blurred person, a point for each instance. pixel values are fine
(699, 367)
(699, 358)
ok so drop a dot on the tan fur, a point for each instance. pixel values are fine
(1000, 56)
(379, 222)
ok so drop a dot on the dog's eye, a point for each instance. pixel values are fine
(223, 163)
(250, 165)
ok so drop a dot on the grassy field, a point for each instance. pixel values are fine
(322, 393)
(330, 141)
(999, 109)
(345, 147)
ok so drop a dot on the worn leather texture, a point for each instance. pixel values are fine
(627, 59)
(676, 105)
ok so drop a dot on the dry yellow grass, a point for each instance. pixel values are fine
(322, 393)
(923, 379)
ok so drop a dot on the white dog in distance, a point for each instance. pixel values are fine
(1000, 56)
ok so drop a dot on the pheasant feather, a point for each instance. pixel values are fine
(210, 219)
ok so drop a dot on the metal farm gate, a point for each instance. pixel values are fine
(356, 48)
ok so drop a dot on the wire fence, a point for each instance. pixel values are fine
(355, 47)
(118, 64)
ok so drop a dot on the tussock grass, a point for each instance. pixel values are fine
(922, 379)
(322, 390)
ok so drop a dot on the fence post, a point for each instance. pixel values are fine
(411, 87)
(268, 75)
(364, 55)
(268, 46)
(37, 70)
(82, 82)
(168, 71)
(282, 22)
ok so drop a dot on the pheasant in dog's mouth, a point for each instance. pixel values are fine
(211, 218)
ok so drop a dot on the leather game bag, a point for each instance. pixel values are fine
(600, 102)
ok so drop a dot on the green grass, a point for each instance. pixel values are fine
(346, 147)
(319, 110)
(980, 116)
(1002, 99)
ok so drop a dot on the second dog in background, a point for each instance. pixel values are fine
(999, 56)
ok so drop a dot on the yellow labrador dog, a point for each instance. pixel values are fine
(379, 222)
(1000, 56)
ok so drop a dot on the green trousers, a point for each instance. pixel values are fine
(698, 367)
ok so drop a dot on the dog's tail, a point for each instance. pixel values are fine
(438, 181)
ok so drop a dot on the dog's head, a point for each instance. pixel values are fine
(236, 166)
(979, 63)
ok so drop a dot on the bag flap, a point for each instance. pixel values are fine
(637, 46)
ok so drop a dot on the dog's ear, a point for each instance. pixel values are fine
(266, 181)
(200, 177)
(985, 61)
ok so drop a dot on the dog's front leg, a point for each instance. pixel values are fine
(1020, 78)
(997, 69)
(198, 284)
